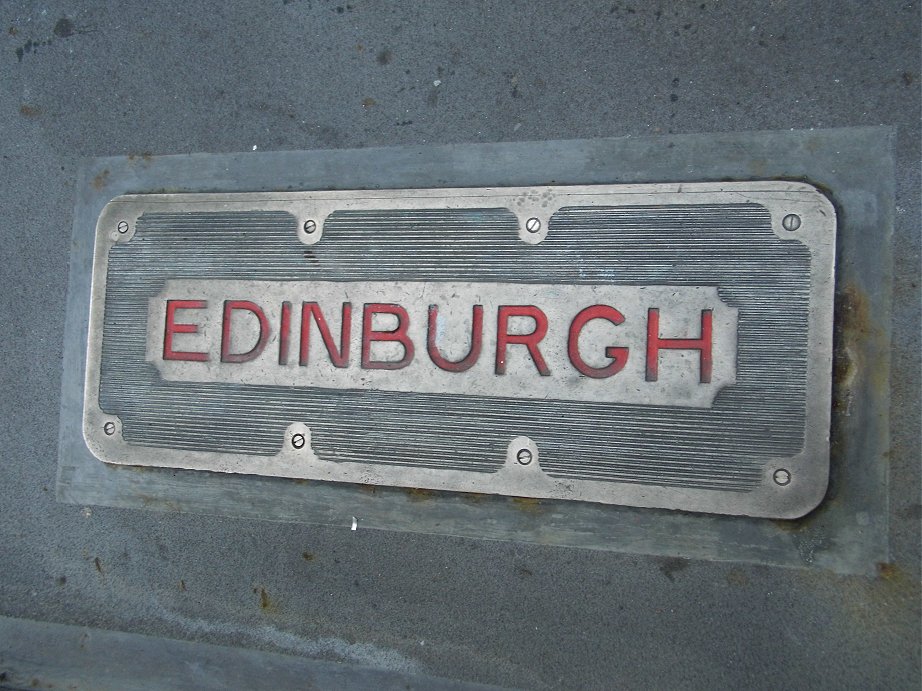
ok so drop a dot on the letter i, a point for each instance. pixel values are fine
(284, 333)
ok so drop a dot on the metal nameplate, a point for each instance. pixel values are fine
(647, 345)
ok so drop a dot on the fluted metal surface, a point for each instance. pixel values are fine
(731, 246)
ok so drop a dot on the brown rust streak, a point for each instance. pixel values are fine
(265, 603)
(101, 179)
(856, 333)
(527, 504)
(420, 494)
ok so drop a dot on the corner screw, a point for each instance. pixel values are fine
(782, 477)
(123, 226)
(533, 225)
(523, 456)
(791, 222)
(297, 440)
(310, 226)
(109, 428)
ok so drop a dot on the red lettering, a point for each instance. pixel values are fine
(171, 327)
(655, 343)
(339, 357)
(398, 335)
(618, 355)
(284, 333)
(468, 360)
(530, 341)
(230, 306)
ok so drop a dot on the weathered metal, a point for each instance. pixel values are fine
(655, 345)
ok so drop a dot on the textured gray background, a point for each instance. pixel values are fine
(296, 75)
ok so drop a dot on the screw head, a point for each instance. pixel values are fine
(533, 225)
(297, 440)
(109, 428)
(123, 226)
(782, 477)
(791, 222)
(310, 226)
(523, 456)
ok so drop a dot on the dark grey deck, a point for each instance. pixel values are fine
(156, 78)
(848, 535)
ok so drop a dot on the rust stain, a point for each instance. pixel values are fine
(527, 504)
(368, 102)
(157, 503)
(888, 571)
(856, 333)
(368, 489)
(182, 585)
(856, 330)
(308, 556)
(265, 604)
(475, 497)
(737, 577)
(29, 111)
(419, 494)
(145, 157)
(98, 564)
(101, 180)
(798, 525)
(875, 605)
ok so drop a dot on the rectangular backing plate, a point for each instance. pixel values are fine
(662, 345)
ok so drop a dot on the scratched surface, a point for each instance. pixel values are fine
(138, 80)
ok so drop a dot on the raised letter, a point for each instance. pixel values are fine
(530, 341)
(339, 358)
(254, 352)
(476, 342)
(655, 343)
(284, 333)
(172, 327)
(617, 355)
(399, 335)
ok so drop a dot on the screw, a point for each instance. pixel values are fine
(310, 226)
(782, 477)
(523, 456)
(109, 428)
(791, 222)
(297, 440)
(533, 225)
(123, 226)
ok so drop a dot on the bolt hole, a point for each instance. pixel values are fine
(782, 477)
(533, 225)
(791, 222)
(109, 428)
(310, 226)
(524, 456)
(123, 227)
(297, 440)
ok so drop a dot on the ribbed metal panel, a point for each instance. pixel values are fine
(728, 245)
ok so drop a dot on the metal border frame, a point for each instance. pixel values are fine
(847, 533)
(809, 468)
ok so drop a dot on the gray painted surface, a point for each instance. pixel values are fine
(117, 80)
(848, 534)
(35, 654)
